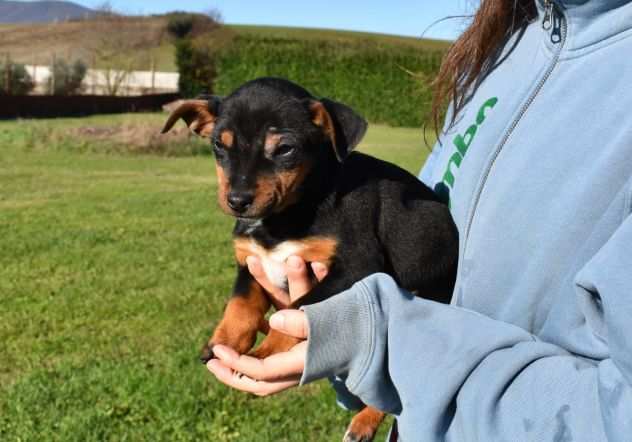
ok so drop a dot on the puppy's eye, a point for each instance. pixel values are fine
(284, 150)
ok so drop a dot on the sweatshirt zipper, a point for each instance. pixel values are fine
(555, 22)
(547, 21)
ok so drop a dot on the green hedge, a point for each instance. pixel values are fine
(196, 66)
(384, 82)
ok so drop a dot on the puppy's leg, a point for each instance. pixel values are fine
(275, 342)
(364, 425)
(243, 317)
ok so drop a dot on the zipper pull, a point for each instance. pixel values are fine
(547, 22)
(556, 33)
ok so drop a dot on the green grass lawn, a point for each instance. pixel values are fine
(337, 35)
(113, 269)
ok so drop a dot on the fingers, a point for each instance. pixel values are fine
(320, 270)
(279, 371)
(258, 376)
(297, 277)
(299, 282)
(277, 367)
(256, 270)
(241, 382)
(290, 322)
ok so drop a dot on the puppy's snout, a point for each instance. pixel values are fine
(240, 201)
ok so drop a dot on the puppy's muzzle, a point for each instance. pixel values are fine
(240, 202)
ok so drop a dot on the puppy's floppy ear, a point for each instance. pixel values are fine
(198, 114)
(340, 123)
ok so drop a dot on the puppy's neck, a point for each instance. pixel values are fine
(250, 226)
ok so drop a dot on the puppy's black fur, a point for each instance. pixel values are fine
(383, 220)
(286, 171)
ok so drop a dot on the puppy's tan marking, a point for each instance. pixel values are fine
(288, 184)
(319, 249)
(279, 190)
(265, 192)
(243, 317)
(275, 342)
(244, 248)
(314, 249)
(321, 118)
(227, 137)
(223, 188)
(364, 425)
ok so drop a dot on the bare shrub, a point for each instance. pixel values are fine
(14, 79)
(119, 46)
(135, 138)
(66, 78)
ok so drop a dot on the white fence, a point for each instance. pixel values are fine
(103, 82)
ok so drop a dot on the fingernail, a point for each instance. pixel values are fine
(212, 365)
(318, 267)
(220, 353)
(277, 321)
(295, 262)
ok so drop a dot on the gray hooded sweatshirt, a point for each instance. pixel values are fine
(537, 344)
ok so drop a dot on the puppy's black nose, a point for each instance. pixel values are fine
(240, 201)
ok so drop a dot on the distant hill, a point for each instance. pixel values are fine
(35, 43)
(41, 11)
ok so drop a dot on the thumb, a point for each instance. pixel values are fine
(290, 322)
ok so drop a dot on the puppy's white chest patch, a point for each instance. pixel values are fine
(273, 261)
(321, 249)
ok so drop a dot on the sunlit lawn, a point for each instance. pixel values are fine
(113, 269)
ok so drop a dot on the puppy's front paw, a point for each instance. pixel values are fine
(206, 354)
(275, 342)
(241, 339)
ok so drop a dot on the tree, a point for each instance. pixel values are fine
(66, 79)
(188, 25)
(197, 38)
(15, 79)
(119, 49)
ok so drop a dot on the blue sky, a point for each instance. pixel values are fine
(403, 17)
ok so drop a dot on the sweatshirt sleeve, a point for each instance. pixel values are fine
(448, 373)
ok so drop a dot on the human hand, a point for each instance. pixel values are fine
(298, 279)
(279, 371)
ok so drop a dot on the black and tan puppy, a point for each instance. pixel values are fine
(286, 172)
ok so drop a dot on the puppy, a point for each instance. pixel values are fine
(286, 172)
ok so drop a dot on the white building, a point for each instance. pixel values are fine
(106, 82)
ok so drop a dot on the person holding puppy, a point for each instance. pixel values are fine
(535, 160)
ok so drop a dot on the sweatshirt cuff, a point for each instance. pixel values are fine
(341, 336)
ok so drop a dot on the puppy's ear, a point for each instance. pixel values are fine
(340, 123)
(199, 115)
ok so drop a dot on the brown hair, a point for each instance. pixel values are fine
(473, 54)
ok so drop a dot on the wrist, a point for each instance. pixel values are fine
(341, 335)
